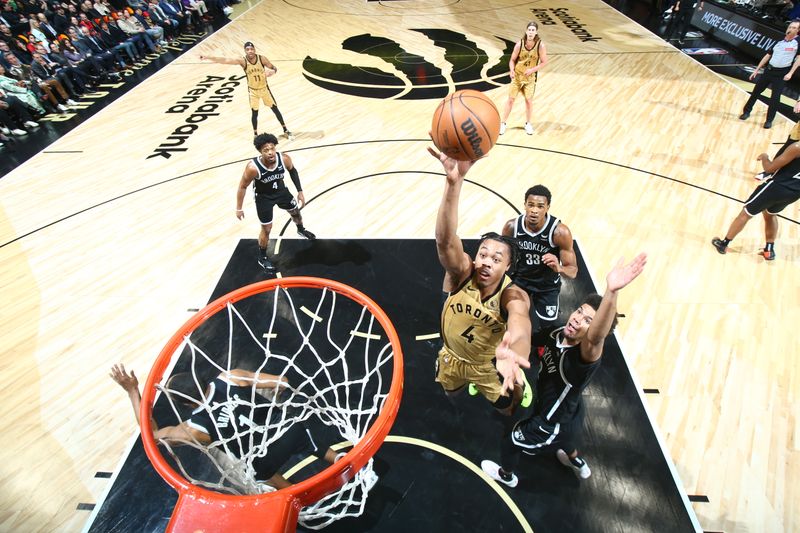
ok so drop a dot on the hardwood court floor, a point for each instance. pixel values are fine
(103, 250)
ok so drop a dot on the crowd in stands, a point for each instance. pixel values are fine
(54, 51)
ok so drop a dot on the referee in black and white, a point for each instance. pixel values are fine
(781, 62)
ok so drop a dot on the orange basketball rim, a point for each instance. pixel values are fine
(202, 510)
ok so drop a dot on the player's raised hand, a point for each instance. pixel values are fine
(509, 362)
(129, 382)
(623, 274)
(455, 169)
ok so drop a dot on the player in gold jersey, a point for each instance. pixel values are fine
(257, 68)
(527, 59)
(486, 327)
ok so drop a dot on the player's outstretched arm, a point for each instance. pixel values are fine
(262, 380)
(619, 277)
(456, 263)
(130, 384)
(223, 60)
(514, 350)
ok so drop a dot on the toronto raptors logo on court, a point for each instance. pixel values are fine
(419, 78)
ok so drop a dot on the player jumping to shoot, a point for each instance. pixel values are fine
(486, 325)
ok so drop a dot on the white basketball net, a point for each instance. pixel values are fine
(342, 390)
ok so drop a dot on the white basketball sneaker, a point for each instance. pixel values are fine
(502, 128)
(528, 128)
(578, 465)
(492, 470)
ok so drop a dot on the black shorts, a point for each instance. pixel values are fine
(535, 435)
(545, 304)
(772, 197)
(297, 440)
(265, 202)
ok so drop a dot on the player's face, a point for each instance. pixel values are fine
(531, 31)
(535, 211)
(491, 262)
(268, 153)
(579, 321)
(250, 52)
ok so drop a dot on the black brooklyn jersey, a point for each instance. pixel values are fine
(269, 181)
(562, 376)
(531, 273)
(234, 415)
(789, 174)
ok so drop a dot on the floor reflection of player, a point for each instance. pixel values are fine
(546, 253)
(227, 410)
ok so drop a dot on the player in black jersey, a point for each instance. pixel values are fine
(570, 358)
(227, 416)
(546, 252)
(769, 198)
(266, 172)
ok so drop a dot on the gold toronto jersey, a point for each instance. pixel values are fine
(526, 59)
(471, 328)
(256, 77)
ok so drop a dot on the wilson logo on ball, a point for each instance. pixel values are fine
(474, 139)
(465, 125)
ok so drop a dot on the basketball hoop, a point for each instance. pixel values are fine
(338, 394)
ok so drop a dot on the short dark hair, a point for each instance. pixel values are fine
(538, 190)
(249, 43)
(508, 241)
(593, 300)
(264, 138)
(185, 385)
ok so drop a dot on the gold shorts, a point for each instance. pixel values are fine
(520, 84)
(453, 373)
(262, 95)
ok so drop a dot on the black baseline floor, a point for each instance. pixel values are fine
(632, 487)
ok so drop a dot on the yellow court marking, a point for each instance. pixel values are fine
(269, 335)
(311, 458)
(426, 337)
(365, 335)
(444, 451)
(310, 313)
(473, 467)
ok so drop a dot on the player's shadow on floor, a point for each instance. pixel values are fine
(326, 252)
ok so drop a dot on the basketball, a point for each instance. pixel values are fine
(465, 125)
